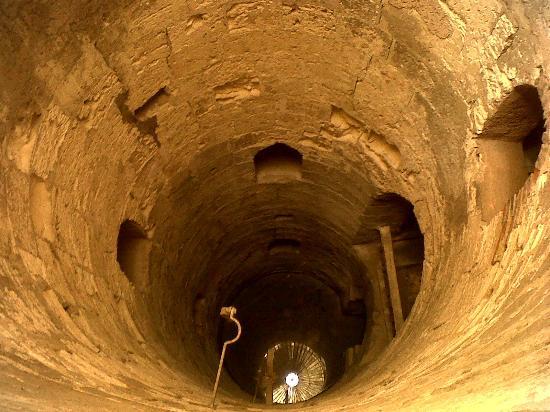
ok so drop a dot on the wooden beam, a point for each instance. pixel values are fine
(385, 235)
(371, 257)
(379, 273)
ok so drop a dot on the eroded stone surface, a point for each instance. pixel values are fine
(154, 111)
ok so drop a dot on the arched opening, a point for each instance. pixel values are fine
(509, 146)
(395, 282)
(278, 163)
(133, 249)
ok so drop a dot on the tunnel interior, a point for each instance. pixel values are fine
(290, 307)
(366, 182)
(289, 265)
(291, 301)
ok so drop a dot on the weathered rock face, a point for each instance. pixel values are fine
(162, 159)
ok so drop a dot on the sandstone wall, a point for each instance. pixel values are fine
(154, 111)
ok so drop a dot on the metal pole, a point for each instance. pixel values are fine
(228, 313)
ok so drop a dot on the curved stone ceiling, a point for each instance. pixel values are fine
(154, 111)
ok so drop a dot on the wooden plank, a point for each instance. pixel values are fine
(385, 235)
(384, 297)
(372, 259)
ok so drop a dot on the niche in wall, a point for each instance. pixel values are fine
(408, 250)
(393, 210)
(407, 242)
(509, 145)
(284, 246)
(133, 249)
(278, 163)
(41, 209)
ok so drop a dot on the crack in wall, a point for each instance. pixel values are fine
(147, 126)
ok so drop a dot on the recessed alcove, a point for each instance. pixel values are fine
(509, 145)
(284, 245)
(408, 251)
(133, 249)
(406, 244)
(278, 163)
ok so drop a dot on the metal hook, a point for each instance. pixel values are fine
(227, 312)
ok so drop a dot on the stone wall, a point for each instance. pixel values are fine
(153, 112)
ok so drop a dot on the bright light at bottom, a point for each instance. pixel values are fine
(292, 379)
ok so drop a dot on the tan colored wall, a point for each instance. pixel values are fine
(154, 112)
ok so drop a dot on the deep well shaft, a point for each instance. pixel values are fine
(163, 159)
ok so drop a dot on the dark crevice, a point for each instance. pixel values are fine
(532, 145)
(146, 126)
(155, 100)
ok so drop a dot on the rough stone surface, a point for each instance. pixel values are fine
(153, 111)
